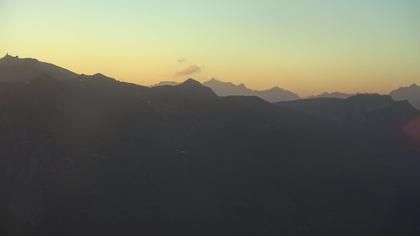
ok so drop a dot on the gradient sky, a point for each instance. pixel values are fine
(308, 46)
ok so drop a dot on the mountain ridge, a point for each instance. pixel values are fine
(16, 69)
(96, 156)
(410, 93)
(223, 89)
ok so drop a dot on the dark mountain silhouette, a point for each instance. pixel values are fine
(334, 95)
(224, 89)
(275, 94)
(411, 94)
(14, 69)
(165, 83)
(95, 156)
(190, 88)
(360, 108)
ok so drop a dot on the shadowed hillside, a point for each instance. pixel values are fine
(14, 69)
(362, 108)
(94, 156)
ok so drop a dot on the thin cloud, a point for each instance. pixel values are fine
(191, 70)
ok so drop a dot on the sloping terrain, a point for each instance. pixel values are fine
(94, 156)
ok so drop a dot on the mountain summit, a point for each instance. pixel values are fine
(15, 69)
(225, 89)
(411, 94)
(275, 94)
(190, 89)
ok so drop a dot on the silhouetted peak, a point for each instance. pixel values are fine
(410, 93)
(9, 58)
(15, 69)
(165, 83)
(276, 89)
(97, 76)
(191, 89)
(100, 76)
(16, 59)
(216, 82)
(191, 83)
(229, 89)
(411, 87)
(242, 86)
(213, 80)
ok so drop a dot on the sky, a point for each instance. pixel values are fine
(307, 46)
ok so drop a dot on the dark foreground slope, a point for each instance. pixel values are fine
(93, 156)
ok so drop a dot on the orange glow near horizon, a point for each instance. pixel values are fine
(306, 46)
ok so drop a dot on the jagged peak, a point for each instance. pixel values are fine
(412, 86)
(193, 88)
(216, 82)
(242, 85)
(16, 59)
(99, 75)
(9, 57)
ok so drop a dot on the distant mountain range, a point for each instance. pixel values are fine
(411, 94)
(276, 94)
(90, 155)
(361, 108)
(334, 95)
(224, 89)
(14, 69)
